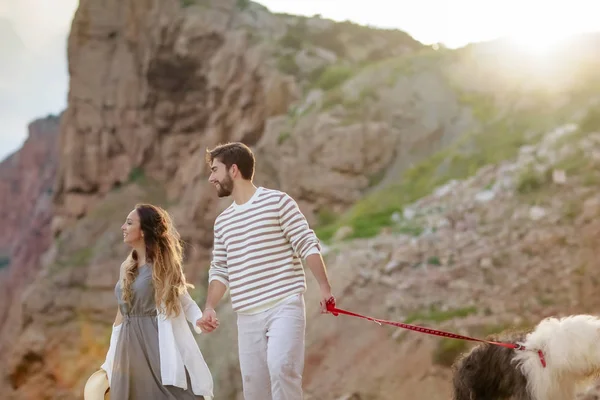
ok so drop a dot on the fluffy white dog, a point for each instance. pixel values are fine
(558, 355)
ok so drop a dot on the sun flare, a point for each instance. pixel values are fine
(538, 34)
(537, 44)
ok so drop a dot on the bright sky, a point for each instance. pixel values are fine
(38, 80)
(39, 21)
(457, 22)
(43, 26)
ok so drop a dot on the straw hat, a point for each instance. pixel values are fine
(96, 387)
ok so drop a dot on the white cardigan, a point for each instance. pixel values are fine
(178, 350)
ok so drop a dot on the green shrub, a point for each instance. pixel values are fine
(283, 136)
(136, 175)
(295, 36)
(530, 181)
(287, 65)
(326, 216)
(434, 314)
(434, 260)
(334, 76)
(79, 258)
(591, 121)
(242, 4)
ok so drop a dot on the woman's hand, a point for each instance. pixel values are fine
(209, 321)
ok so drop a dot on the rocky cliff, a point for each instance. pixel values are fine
(152, 85)
(425, 159)
(26, 184)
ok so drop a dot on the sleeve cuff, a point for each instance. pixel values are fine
(196, 316)
(313, 250)
(220, 279)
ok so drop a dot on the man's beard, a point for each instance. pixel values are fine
(225, 187)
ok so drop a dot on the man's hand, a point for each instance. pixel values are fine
(317, 266)
(325, 297)
(209, 321)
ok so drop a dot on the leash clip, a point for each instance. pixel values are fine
(539, 352)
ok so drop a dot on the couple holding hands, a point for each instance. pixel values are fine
(260, 241)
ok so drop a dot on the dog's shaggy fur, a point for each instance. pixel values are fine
(571, 348)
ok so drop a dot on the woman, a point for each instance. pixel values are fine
(154, 304)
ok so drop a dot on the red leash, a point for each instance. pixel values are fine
(336, 311)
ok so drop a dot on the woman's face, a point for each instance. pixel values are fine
(132, 232)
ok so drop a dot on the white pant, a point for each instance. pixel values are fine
(271, 351)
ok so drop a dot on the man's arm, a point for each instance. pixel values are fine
(305, 243)
(316, 264)
(209, 321)
(218, 266)
(216, 291)
(218, 278)
(295, 228)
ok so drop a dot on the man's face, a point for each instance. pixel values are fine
(221, 178)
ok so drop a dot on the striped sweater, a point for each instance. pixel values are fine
(258, 247)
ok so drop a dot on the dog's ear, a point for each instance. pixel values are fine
(468, 364)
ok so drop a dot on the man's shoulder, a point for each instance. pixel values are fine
(273, 193)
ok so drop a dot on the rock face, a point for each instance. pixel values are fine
(152, 85)
(328, 157)
(26, 182)
(150, 89)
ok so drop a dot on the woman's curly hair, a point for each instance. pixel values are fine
(165, 253)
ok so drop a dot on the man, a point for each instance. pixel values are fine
(259, 241)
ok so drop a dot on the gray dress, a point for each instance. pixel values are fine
(136, 368)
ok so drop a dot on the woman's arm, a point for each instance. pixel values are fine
(114, 339)
(190, 308)
(118, 318)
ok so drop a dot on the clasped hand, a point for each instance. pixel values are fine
(209, 321)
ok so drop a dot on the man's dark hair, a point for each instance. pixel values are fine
(233, 153)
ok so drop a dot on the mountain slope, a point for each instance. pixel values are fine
(512, 244)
